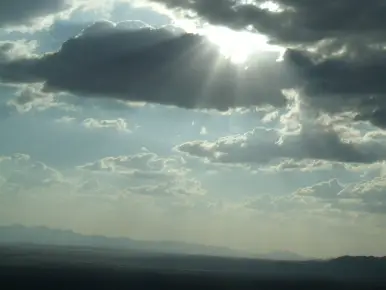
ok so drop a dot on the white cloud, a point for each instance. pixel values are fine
(102, 198)
(29, 16)
(12, 50)
(118, 124)
(261, 146)
(145, 173)
(30, 97)
(364, 196)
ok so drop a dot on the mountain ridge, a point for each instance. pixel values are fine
(41, 235)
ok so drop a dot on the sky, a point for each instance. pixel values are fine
(255, 125)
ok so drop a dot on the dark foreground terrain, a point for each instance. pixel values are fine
(54, 267)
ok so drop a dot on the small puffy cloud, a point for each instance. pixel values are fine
(30, 97)
(118, 124)
(262, 146)
(325, 190)
(203, 131)
(65, 119)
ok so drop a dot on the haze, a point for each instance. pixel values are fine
(117, 121)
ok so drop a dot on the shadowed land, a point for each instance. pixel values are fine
(60, 267)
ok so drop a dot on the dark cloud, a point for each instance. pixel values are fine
(153, 65)
(346, 37)
(341, 84)
(335, 57)
(22, 12)
(291, 21)
(262, 146)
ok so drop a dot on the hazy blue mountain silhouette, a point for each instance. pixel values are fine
(47, 236)
(43, 258)
(21, 263)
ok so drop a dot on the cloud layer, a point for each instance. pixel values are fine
(336, 46)
(290, 21)
(153, 65)
(363, 196)
(336, 64)
(261, 146)
(20, 12)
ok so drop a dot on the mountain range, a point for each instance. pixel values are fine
(18, 234)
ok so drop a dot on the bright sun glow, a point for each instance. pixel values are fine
(237, 46)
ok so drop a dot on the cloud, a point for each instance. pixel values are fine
(344, 83)
(141, 174)
(13, 50)
(336, 46)
(31, 16)
(124, 164)
(325, 190)
(29, 97)
(92, 201)
(289, 21)
(118, 124)
(262, 146)
(152, 65)
(145, 173)
(20, 173)
(305, 165)
(362, 196)
(24, 13)
(334, 58)
(372, 194)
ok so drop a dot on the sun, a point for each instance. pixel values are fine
(237, 46)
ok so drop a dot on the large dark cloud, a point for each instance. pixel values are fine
(335, 57)
(22, 12)
(153, 65)
(343, 72)
(296, 21)
(340, 83)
